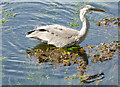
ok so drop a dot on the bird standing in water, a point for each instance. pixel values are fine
(61, 36)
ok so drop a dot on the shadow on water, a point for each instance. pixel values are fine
(65, 56)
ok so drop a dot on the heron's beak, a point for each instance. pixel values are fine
(99, 10)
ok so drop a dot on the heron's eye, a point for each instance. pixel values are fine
(91, 9)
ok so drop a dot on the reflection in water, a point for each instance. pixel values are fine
(93, 78)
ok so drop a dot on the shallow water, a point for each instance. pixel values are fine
(22, 70)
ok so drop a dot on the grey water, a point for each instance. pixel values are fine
(21, 70)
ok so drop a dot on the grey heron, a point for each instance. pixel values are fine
(61, 36)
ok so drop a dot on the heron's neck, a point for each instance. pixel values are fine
(85, 24)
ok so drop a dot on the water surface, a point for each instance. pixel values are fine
(20, 69)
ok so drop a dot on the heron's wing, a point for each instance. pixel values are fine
(54, 34)
(58, 30)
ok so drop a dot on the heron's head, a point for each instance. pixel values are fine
(89, 8)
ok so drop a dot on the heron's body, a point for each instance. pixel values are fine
(61, 36)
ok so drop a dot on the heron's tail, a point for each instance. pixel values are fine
(30, 32)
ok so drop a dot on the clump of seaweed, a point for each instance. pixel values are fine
(99, 53)
(56, 56)
(107, 21)
(7, 15)
(74, 55)
(77, 56)
(65, 56)
(103, 52)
